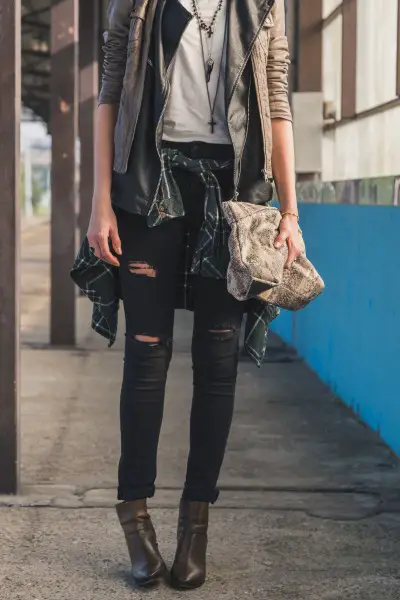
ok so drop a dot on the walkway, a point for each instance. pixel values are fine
(310, 507)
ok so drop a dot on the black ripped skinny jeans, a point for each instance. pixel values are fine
(149, 309)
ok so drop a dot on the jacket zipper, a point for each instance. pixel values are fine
(237, 169)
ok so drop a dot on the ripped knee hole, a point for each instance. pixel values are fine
(222, 334)
(142, 268)
(220, 330)
(146, 339)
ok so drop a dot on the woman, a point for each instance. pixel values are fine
(193, 110)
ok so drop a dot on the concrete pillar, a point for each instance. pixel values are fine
(64, 129)
(89, 89)
(10, 104)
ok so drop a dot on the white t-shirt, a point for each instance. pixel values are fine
(187, 114)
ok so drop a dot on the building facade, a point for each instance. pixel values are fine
(346, 104)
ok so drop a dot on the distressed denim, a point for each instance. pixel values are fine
(150, 263)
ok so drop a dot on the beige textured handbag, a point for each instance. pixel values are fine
(256, 267)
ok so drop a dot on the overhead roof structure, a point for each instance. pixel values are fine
(35, 59)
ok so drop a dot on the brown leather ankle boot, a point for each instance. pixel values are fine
(189, 568)
(148, 566)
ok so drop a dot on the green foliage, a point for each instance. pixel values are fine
(22, 187)
(38, 188)
(37, 193)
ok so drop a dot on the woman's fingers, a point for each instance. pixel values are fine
(292, 255)
(105, 253)
(290, 259)
(115, 240)
(289, 234)
(281, 239)
(94, 247)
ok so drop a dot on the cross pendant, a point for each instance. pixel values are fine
(212, 124)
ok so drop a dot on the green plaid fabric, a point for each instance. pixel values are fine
(211, 257)
(99, 281)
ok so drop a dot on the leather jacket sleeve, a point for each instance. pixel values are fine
(115, 50)
(278, 65)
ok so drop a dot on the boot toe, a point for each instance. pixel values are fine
(189, 583)
(145, 579)
(188, 576)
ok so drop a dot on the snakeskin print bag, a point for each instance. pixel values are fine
(256, 267)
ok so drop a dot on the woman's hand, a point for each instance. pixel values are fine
(102, 226)
(289, 233)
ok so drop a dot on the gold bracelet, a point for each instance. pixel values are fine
(284, 213)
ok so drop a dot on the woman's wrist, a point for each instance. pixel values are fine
(292, 218)
(101, 198)
(287, 202)
(290, 214)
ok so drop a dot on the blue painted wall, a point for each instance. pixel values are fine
(351, 334)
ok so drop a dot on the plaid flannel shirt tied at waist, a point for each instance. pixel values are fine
(100, 282)
(211, 256)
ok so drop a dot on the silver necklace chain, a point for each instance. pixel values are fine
(208, 29)
(208, 68)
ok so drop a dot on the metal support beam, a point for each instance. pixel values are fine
(10, 102)
(89, 89)
(37, 13)
(36, 53)
(34, 24)
(64, 128)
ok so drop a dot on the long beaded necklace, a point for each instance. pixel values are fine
(209, 62)
(209, 29)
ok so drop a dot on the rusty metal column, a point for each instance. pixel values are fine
(10, 105)
(64, 130)
(89, 89)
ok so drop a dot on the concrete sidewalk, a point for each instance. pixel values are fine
(310, 502)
